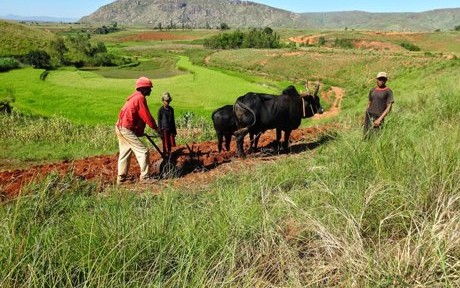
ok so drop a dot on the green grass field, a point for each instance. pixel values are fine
(351, 213)
(87, 98)
(20, 39)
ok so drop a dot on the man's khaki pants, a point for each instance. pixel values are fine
(128, 143)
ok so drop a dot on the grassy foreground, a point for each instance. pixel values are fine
(378, 213)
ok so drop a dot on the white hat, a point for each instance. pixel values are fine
(382, 75)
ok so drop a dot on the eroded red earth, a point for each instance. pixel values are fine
(194, 163)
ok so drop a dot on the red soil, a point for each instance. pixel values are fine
(360, 44)
(197, 164)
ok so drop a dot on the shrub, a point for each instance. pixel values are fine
(410, 46)
(106, 30)
(102, 59)
(255, 38)
(8, 63)
(343, 43)
(224, 26)
(321, 41)
(38, 59)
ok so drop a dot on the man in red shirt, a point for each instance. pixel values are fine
(130, 126)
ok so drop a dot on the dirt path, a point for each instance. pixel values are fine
(310, 40)
(196, 163)
(337, 93)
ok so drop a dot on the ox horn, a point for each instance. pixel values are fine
(317, 87)
(306, 88)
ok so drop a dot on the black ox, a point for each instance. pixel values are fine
(257, 112)
(224, 123)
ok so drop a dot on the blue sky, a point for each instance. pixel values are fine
(80, 8)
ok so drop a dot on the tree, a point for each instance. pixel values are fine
(79, 49)
(171, 25)
(99, 48)
(255, 38)
(268, 30)
(79, 45)
(321, 41)
(101, 30)
(38, 59)
(224, 26)
(58, 50)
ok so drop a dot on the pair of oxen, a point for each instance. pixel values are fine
(254, 113)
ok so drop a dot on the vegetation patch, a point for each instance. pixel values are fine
(8, 63)
(410, 46)
(255, 38)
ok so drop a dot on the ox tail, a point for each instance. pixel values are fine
(212, 115)
(245, 107)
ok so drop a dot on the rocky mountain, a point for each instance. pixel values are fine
(192, 13)
(239, 14)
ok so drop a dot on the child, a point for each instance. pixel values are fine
(167, 124)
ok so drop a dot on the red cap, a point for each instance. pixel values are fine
(143, 82)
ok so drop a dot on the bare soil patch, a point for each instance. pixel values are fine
(309, 40)
(360, 44)
(377, 45)
(334, 95)
(196, 163)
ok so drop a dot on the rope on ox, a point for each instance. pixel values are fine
(303, 108)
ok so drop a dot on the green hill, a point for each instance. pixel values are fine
(19, 39)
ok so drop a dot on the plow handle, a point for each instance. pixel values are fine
(149, 137)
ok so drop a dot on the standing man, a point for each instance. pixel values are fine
(130, 126)
(380, 102)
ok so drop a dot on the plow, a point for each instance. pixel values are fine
(166, 167)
